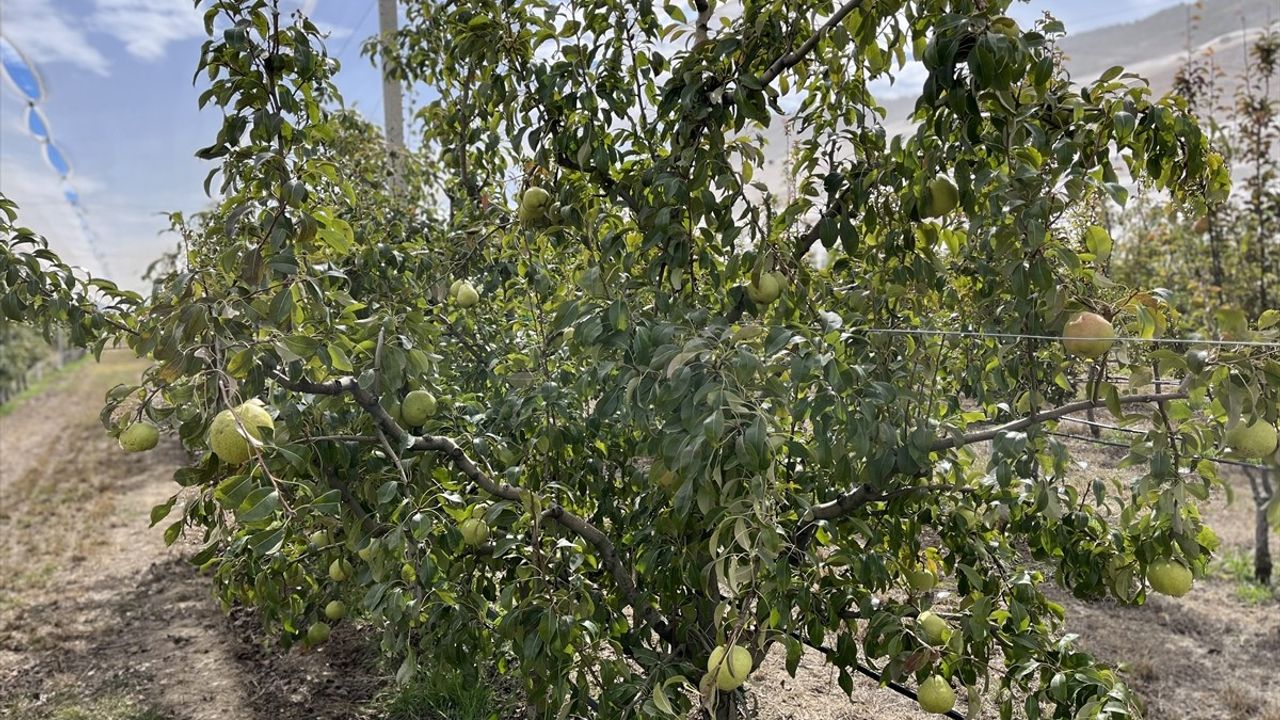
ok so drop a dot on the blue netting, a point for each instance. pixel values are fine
(19, 72)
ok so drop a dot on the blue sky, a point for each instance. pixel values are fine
(121, 106)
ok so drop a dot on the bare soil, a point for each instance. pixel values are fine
(1210, 655)
(99, 620)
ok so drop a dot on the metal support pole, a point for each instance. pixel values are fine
(392, 94)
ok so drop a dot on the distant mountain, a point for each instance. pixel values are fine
(1156, 45)
(1153, 47)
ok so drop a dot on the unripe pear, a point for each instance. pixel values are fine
(767, 289)
(317, 633)
(319, 538)
(340, 570)
(1088, 335)
(921, 580)
(941, 198)
(335, 610)
(417, 406)
(474, 531)
(139, 437)
(1169, 577)
(227, 440)
(936, 696)
(933, 628)
(535, 198)
(1253, 440)
(467, 295)
(534, 205)
(731, 666)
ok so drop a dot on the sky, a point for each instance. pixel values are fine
(120, 105)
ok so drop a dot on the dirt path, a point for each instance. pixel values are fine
(98, 619)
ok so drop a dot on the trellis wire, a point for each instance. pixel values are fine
(1111, 443)
(1021, 336)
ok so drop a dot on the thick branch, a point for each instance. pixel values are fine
(956, 441)
(700, 25)
(792, 58)
(864, 495)
(449, 449)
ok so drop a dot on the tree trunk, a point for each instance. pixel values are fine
(1215, 255)
(1094, 430)
(1262, 533)
(727, 706)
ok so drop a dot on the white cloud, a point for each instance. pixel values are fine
(42, 208)
(48, 35)
(147, 27)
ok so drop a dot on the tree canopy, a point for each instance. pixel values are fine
(656, 425)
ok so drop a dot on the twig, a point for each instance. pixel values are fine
(868, 672)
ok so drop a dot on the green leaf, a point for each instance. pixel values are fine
(232, 491)
(162, 510)
(267, 542)
(329, 503)
(260, 505)
(301, 347)
(1098, 241)
(172, 533)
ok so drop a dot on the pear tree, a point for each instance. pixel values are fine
(681, 423)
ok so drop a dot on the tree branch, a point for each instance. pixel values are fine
(700, 25)
(449, 449)
(806, 241)
(864, 495)
(791, 59)
(956, 441)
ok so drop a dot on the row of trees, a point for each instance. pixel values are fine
(21, 349)
(658, 444)
(1224, 261)
(1221, 266)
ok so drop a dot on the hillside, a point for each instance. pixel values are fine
(1156, 45)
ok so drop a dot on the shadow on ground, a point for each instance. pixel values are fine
(99, 620)
(167, 651)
